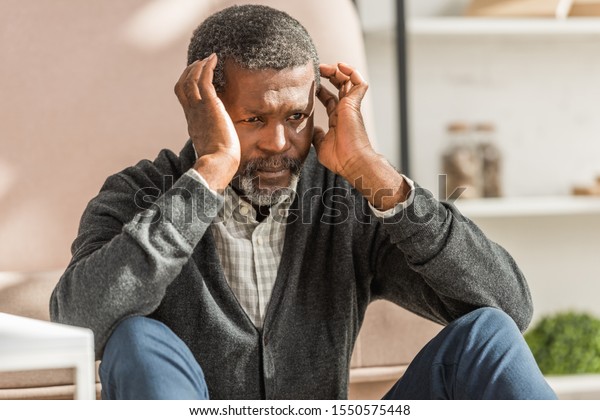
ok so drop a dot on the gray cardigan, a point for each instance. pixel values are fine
(143, 248)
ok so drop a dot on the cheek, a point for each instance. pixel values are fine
(302, 138)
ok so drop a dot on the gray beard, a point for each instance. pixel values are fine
(248, 180)
(249, 187)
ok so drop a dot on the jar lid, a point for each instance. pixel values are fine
(457, 126)
(484, 126)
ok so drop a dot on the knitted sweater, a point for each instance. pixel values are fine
(143, 248)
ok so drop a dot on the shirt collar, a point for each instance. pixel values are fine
(238, 209)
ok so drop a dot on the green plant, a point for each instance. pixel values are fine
(566, 343)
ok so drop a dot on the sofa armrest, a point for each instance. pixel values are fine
(389, 339)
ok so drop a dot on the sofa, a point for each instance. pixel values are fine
(388, 341)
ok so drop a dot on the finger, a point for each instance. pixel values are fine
(353, 74)
(179, 90)
(190, 84)
(346, 87)
(328, 99)
(205, 85)
(358, 84)
(186, 71)
(339, 79)
(333, 74)
(327, 70)
(183, 84)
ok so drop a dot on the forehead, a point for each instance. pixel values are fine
(268, 88)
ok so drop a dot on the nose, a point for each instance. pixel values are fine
(273, 139)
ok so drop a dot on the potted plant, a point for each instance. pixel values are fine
(566, 347)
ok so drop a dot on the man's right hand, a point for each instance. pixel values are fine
(209, 124)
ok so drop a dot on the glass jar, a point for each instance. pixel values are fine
(491, 159)
(461, 163)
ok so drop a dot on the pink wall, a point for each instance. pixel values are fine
(77, 104)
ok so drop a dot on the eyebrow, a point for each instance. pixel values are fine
(306, 108)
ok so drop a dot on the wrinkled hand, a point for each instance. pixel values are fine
(345, 146)
(209, 124)
(346, 150)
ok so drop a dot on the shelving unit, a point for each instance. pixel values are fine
(458, 25)
(493, 47)
(576, 387)
(435, 26)
(490, 69)
(529, 206)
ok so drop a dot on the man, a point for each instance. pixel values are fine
(242, 268)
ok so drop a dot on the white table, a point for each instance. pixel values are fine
(29, 344)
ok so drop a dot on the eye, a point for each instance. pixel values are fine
(251, 120)
(298, 116)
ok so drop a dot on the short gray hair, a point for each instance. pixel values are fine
(255, 37)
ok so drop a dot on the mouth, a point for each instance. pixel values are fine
(273, 172)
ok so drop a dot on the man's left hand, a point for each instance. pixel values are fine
(346, 150)
(346, 146)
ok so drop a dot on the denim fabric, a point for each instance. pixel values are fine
(145, 360)
(481, 355)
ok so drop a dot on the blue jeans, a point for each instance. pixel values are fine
(481, 355)
(145, 360)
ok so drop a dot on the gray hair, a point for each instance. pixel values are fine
(255, 37)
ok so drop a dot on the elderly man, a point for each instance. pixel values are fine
(242, 267)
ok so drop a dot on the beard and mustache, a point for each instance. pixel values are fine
(247, 182)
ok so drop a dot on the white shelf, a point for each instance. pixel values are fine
(585, 386)
(444, 26)
(529, 206)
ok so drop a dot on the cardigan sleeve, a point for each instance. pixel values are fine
(437, 263)
(132, 243)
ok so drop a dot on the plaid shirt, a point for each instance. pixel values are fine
(250, 251)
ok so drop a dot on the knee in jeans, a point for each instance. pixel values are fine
(495, 316)
(129, 331)
(129, 341)
(144, 359)
(486, 322)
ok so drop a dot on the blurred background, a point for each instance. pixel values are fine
(490, 104)
(87, 89)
